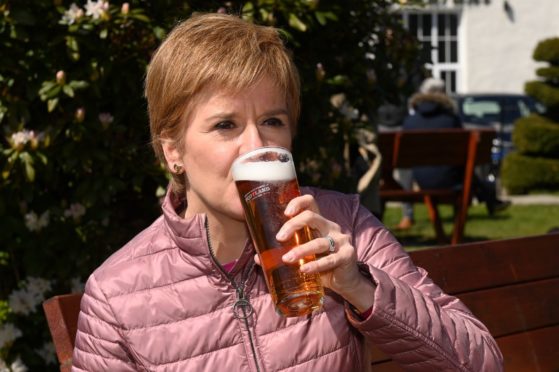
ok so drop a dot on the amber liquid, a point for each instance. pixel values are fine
(294, 293)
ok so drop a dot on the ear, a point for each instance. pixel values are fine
(172, 154)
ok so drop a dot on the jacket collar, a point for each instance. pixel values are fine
(189, 234)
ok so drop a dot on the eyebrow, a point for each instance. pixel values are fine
(228, 114)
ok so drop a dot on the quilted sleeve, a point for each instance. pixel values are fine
(99, 345)
(413, 320)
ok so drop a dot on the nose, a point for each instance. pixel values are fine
(251, 139)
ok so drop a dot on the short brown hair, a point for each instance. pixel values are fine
(212, 50)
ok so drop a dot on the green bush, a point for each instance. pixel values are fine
(551, 73)
(536, 137)
(536, 134)
(524, 173)
(546, 94)
(547, 51)
(78, 175)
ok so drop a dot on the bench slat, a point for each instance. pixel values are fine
(62, 317)
(473, 266)
(535, 351)
(518, 308)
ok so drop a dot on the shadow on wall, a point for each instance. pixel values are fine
(509, 10)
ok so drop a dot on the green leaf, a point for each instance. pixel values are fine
(159, 32)
(104, 33)
(42, 157)
(140, 17)
(323, 17)
(78, 84)
(68, 91)
(28, 164)
(51, 104)
(296, 23)
(29, 172)
(248, 11)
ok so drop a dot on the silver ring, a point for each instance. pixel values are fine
(331, 244)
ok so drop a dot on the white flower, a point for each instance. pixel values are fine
(76, 210)
(8, 333)
(18, 366)
(19, 139)
(22, 302)
(37, 287)
(25, 300)
(35, 223)
(77, 285)
(72, 14)
(96, 9)
(47, 352)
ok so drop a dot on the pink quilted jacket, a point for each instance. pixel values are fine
(161, 303)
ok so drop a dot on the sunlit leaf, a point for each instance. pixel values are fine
(78, 84)
(248, 11)
(51, 104)
(67, 89)
(296, 23)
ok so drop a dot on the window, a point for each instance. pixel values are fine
(437, 32)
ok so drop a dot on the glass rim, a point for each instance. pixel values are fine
(260, 150)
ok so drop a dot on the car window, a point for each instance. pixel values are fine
(480, 111)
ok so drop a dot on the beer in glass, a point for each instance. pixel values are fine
(266, 181)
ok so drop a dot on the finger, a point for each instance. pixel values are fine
(257, 259)
(313, 247)
(299, 204)
(327, 263)
(304, 219)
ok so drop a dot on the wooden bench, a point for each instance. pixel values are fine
(512, 286)
(452, 147)
(62, 317)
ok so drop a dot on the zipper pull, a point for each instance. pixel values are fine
(242, 309)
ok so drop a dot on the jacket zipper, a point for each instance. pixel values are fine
(242, 303)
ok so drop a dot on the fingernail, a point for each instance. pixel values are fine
(304, 269)
(288, 257)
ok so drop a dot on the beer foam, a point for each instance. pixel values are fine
(264, 171)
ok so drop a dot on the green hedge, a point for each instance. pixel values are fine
(551, 73)
(536, 134)
(547, 51)
(522, 173)
(547, 94)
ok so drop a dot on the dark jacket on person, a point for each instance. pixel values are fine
(434, 111)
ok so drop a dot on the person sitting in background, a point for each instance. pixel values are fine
(432, 109)
(218, 87)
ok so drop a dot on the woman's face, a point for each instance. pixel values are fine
(219, 128)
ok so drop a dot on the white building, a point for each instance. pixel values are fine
(482, 46)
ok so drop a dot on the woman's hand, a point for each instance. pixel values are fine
(338, 269)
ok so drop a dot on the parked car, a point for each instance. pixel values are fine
(498, 111)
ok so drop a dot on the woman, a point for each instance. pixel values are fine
(216, 88)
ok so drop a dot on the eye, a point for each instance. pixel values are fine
(222, 125)
(274, 122)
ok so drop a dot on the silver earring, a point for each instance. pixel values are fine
(177, 168)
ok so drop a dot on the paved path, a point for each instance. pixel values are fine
(533, 199)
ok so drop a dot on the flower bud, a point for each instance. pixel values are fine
(60, 77)
(125, 8)
(80, 115)
(320, 73)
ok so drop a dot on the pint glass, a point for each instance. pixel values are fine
(266, 181)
